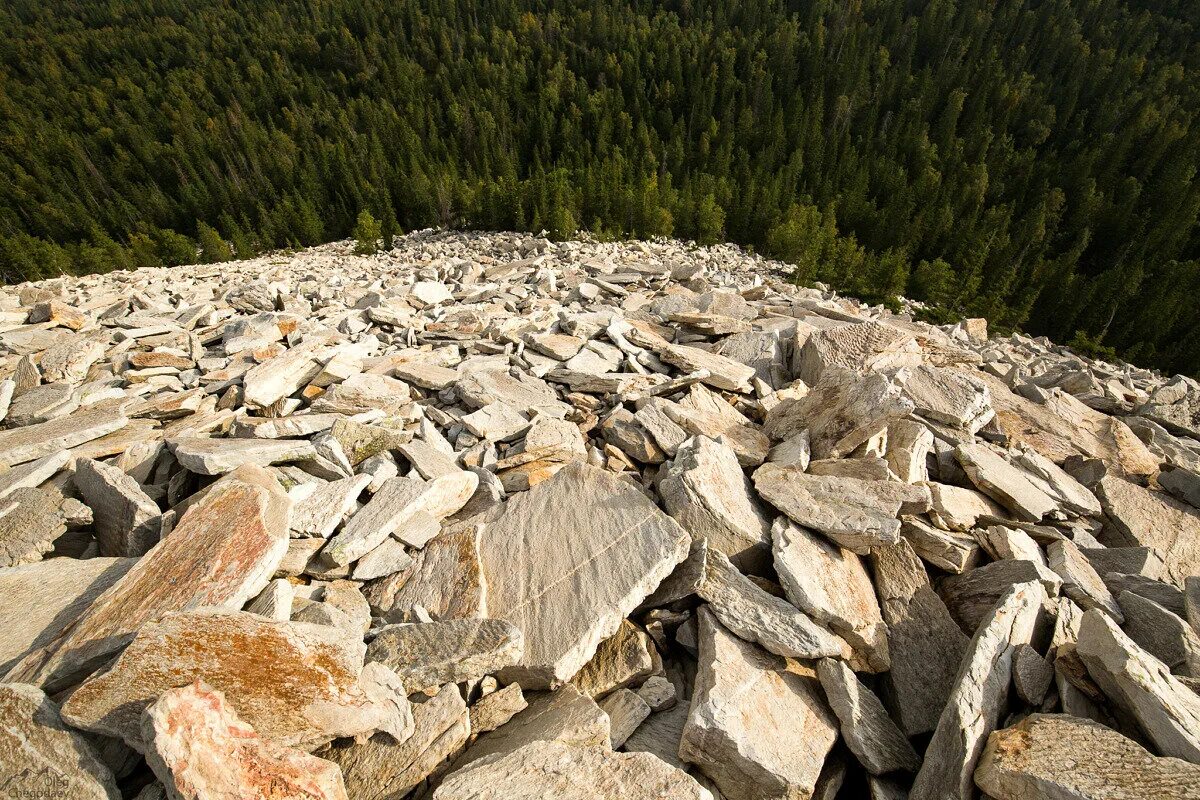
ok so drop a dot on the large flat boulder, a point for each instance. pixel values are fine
(567, 561)
(298, 684)
(222, 552)
(743, 699)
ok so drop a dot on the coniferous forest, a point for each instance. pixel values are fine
(1032, 161)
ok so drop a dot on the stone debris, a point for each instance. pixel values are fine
(42, 756)
(199, 748)
(1057, 756)
(489, 515)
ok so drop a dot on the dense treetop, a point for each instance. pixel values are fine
(1034, 161)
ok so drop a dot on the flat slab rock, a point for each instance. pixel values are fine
(382, 768)
(222, 552)
(200, 749)
(39, 600)
(568, 560)
(297, 684)
(742, 699)
(857, 514)
(1060, 757)
(429, 654)
(41, 757)
(550, 769)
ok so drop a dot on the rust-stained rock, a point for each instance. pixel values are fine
(222, 552)
(201, 750)
(298, 684)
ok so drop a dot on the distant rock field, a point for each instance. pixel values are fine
(487, 516)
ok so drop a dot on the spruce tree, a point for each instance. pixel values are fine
(367, 232)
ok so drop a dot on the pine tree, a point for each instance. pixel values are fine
(367, 233)
(213, 248)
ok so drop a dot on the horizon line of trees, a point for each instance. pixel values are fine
(1031, 161)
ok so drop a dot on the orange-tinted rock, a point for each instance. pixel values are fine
(298, 684)
(222, 553)
(201, 750)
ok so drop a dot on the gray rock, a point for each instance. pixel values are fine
(972, 595)
(842, 411)
(429, 654)
(1060, 757)
(568, 560)
(743, 697)
(1080, 581)
(626, 711)
(1141, 517)
(128, 522)
(41, 756)
(493, 710)
(870, 733)
(978, 698)
(621, 660)
(1142, 686)
(537, 771)
(1182, 483)
(382, 768)
(831, 585)
(1004, 483)
(925, 644)
(706, 492)
(1161, 633)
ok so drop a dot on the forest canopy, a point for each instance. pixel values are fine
(1032, 161)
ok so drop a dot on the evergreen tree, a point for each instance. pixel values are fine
(213, 248)
(367, 233)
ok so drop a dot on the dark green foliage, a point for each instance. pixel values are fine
(367, 233)
(1034, 161)
(213, 248)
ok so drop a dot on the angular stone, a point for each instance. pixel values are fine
(856, 514)
(626, 711)
(445, 579)
(743, 697)
(660, 735)
(496, 422)
(1032, 674)
(1060, 757)
(841, 412)
(219, 456)
(757, 616)
(493, 710)
(275, 601)
(705, 490)
(1002, 542)
(363, 393)
(1004, 483)
(382, 768)
(563, 715)
(199, 748)
(1161, 633)
(30, 522)
(723, 372)
(621, 660)
(978, 698)
(551, 769)
(297, 684)
(870, 733)
(320, 511)
(42, 757)
(950, 397)
(19, 445)
(658, 692)
(1052, 479)
(831, 585)
(33, 473)
(39, 600)
(128, 522)
(908, 446)
(1142, 686)
(1166, 595)
(1141, 517)
(954, 552)
(972, 595)
(925, 644)
(568, 560)
(393, 506)
(521, 391)
(958, 509)
(282, 376)
(425, 375)
(1080, 581)
(1176, 406)
(862, 347)
(428, 654)
(222, 552)
(1183, 484)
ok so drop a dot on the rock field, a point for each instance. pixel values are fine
(488, 516)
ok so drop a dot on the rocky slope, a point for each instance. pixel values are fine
(493, 517)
